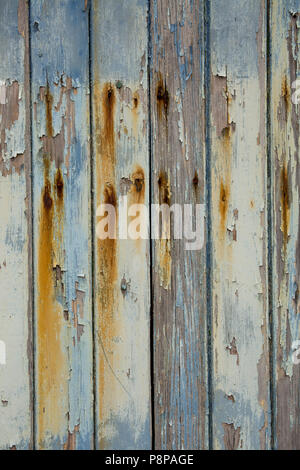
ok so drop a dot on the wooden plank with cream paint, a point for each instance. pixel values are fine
(285, 70)
(121, 169)
(15, 229)
(62, 229)
(241, 401)
(178, 176)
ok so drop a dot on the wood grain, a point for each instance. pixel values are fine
(284, 20)
(61, 178)
(15, 228)
(241, 402)
(178, 176)
(122, 274)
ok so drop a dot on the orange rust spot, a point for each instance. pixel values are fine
(138, 186)
(162, 97)
(136, 100)
(285, 204)
(164, 189)
(195, 180)
(164, 251)
(59, 184)
(47, 199)
(223, 204)
(286, 95)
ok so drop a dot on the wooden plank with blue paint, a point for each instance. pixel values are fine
(122, 272)
(241, 373)
(15, 229)
(178, 176)
(285, 73)
(62, 229)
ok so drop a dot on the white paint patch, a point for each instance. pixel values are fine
(2, 92)
(2, 353)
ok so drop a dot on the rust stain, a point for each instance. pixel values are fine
(195, 180)
(107, 272)
(138, 185)
(52, 370)
(285, 204)
(59, 185)
(162, 98)
(164, 188)
(136, 195)
(135, 113)
(223, 204)
(231, 436)
(164, 250)
(286, 94)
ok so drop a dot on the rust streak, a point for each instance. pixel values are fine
(163, 99)
(164, 251)
(223, 204)
(105, 107)
(52, 370)
(285, 204)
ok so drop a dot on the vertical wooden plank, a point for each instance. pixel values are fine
(241, 403)
(61, 173)
(15, 225)
(120, 136)
(178, 176)
(285, 22)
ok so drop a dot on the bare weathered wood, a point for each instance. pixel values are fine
(178, 176)
(241, 404)
(61, 177)
(15, 229)
(121, 168)
(285, 22)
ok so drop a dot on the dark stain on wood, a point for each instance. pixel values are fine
(162, 96)
(223, 204)
(59, 184)
(47, 199)
(164, 189)
(285, 203)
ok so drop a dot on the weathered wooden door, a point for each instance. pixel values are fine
(124, 342)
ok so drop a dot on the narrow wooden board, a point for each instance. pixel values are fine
(178, 176)
(121, 168)
(285, 40)
(241, 402)
(15, 228)
(62, 248)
